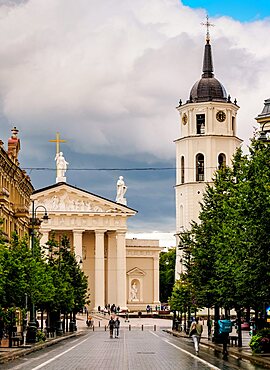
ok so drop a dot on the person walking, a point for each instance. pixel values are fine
(111, 326)
(195, 332)
(117, 326)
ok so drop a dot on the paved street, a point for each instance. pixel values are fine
(135, 349)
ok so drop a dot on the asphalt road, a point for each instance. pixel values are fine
(134, 350)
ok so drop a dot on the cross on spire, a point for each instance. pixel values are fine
(207, 25)
(57, 141)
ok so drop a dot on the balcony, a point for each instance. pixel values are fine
(20, 211)
(4, 195)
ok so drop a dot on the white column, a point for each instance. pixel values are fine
(121, 269)
(77, 244)
(111, 263)
(99, 269)
(43, 240)
(156, 280)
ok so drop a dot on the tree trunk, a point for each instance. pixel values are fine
(41, 318)
(239, 327)
(216, 318)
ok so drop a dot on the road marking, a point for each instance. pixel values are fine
(61, 354)
(212, 367)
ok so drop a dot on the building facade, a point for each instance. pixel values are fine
(15, 189)
(121, 272)
(208, 125)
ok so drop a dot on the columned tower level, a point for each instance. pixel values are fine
(207, 142)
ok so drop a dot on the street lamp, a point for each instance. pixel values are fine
(35, 222)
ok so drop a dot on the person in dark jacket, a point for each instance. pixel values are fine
(111, 326)
(117, 326)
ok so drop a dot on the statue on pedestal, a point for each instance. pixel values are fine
(121, 191)
(134, 292)
(61, 167)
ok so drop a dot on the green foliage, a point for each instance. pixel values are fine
(227, 254)
(41, 336)
(166, 274)
(56, 284)
(182, 295)
(260, 343)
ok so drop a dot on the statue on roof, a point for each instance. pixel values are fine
(121, 191)
(61, 167)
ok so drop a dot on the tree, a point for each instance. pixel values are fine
(166, 274)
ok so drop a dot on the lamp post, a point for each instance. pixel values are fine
(32, 325)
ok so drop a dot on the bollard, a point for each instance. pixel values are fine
(155, 328)
(129, 327)
(99, 324)
(142, 327)
(93, 328)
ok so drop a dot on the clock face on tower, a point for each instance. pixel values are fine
(184, 119)
(221, 116)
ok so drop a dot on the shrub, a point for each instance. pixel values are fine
(260, 342)
(41, 337)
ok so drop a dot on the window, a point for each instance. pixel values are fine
(221, 160)
(182, 169)
(200, 120)
(200, 167)
(233, 125)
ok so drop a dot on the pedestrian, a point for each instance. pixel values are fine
(195, 332)
(225, 327)
(111, 326)
(117, 326)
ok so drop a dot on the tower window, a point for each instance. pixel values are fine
(182, 169)
(200, 122)
(233, 125)
(221, 161)
(200, 167)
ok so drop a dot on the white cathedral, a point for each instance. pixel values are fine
(208, 123)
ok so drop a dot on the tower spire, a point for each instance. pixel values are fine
(207, 59)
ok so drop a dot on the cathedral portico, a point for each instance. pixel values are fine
(96, 228)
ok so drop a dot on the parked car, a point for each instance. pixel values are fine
(245, 326)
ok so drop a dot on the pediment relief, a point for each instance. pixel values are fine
(136, 272)
(67, 201)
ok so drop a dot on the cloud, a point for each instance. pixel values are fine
(105, 73)
(108, 75)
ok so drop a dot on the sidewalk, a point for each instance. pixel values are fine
(241, 353)
(8, 354)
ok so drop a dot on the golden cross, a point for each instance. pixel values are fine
(57, 141)
(208, 25)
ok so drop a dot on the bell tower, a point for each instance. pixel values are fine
(207, 141)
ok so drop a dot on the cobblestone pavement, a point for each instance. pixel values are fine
(134, 350)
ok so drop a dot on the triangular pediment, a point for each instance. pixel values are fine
(136, 272)
(66, 198)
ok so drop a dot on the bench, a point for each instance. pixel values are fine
(233, 340)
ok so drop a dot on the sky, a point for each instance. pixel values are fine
(108, 75)
(243, 10)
